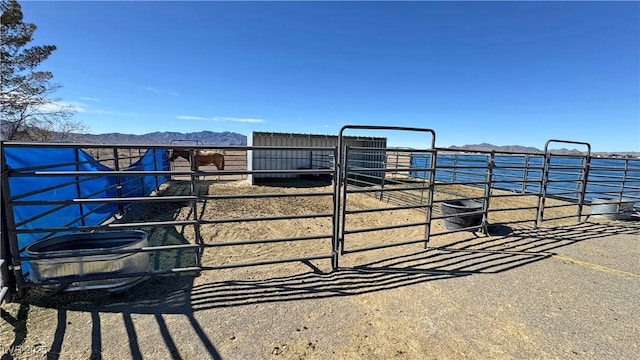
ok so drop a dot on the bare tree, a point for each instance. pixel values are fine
(27, 110)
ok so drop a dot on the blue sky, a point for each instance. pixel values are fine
(497, 72)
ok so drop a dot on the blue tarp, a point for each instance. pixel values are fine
(42, 159)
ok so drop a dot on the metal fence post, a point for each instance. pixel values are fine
(116, 167)
(9, 235)
(583, 183)
(525, 174)
(432, 180)
(78, 189)
(624, 179)
(336, 207)
(455, 168)
(542, 191)
(487, 192)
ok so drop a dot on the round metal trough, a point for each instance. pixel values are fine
(613, 209)
(455, 211)
(76, 257)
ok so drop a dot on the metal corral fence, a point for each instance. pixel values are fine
(574, 179)
(71, 194)
(184, 211)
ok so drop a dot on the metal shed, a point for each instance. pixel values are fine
(290, 151)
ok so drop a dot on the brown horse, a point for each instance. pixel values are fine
(202, 157)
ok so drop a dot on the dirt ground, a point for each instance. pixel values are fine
(467, 296)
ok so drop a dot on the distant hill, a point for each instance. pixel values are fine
(490, 147)
(165, 137)
(529, 149)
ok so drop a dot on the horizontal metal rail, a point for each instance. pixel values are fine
(380, 189)
(48, 188)
(265, 218)
(558, 206)
(383, 246)
(58, 254)
(108, 226)
(462, 198)
(470, 228)
(167, 172)
(267, 262)
(261, 196)
(17, 171)
(40, 215)
(392, 208)
(515, 194)
(267, 241)
(469, 213)
(109, 200)
(513, 208)
(562, 217)
(9, 144)
(386, 227)
(355, 170)
(368, 150)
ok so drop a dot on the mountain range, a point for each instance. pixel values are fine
(235, 139)
(529, 149)
(165, 137)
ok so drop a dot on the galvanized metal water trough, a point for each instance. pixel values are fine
(456, 210)
(76, 257)
(614, 209)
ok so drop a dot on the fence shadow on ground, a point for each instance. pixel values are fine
(504, 250)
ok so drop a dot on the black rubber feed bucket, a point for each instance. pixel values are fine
(456, 210)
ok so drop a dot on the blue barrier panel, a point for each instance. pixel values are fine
(63, 188)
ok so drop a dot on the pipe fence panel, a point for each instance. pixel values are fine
(368, 185)
(614, 180)
(185, 219)
(517, 180)
(285, 216)
(281, 203)
(564, 177)
(461, 191)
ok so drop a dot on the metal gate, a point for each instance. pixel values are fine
(564, 177)
(362, 172)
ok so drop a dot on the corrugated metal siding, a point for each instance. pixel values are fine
(367, 158)
(302, 158)
(281, 159)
